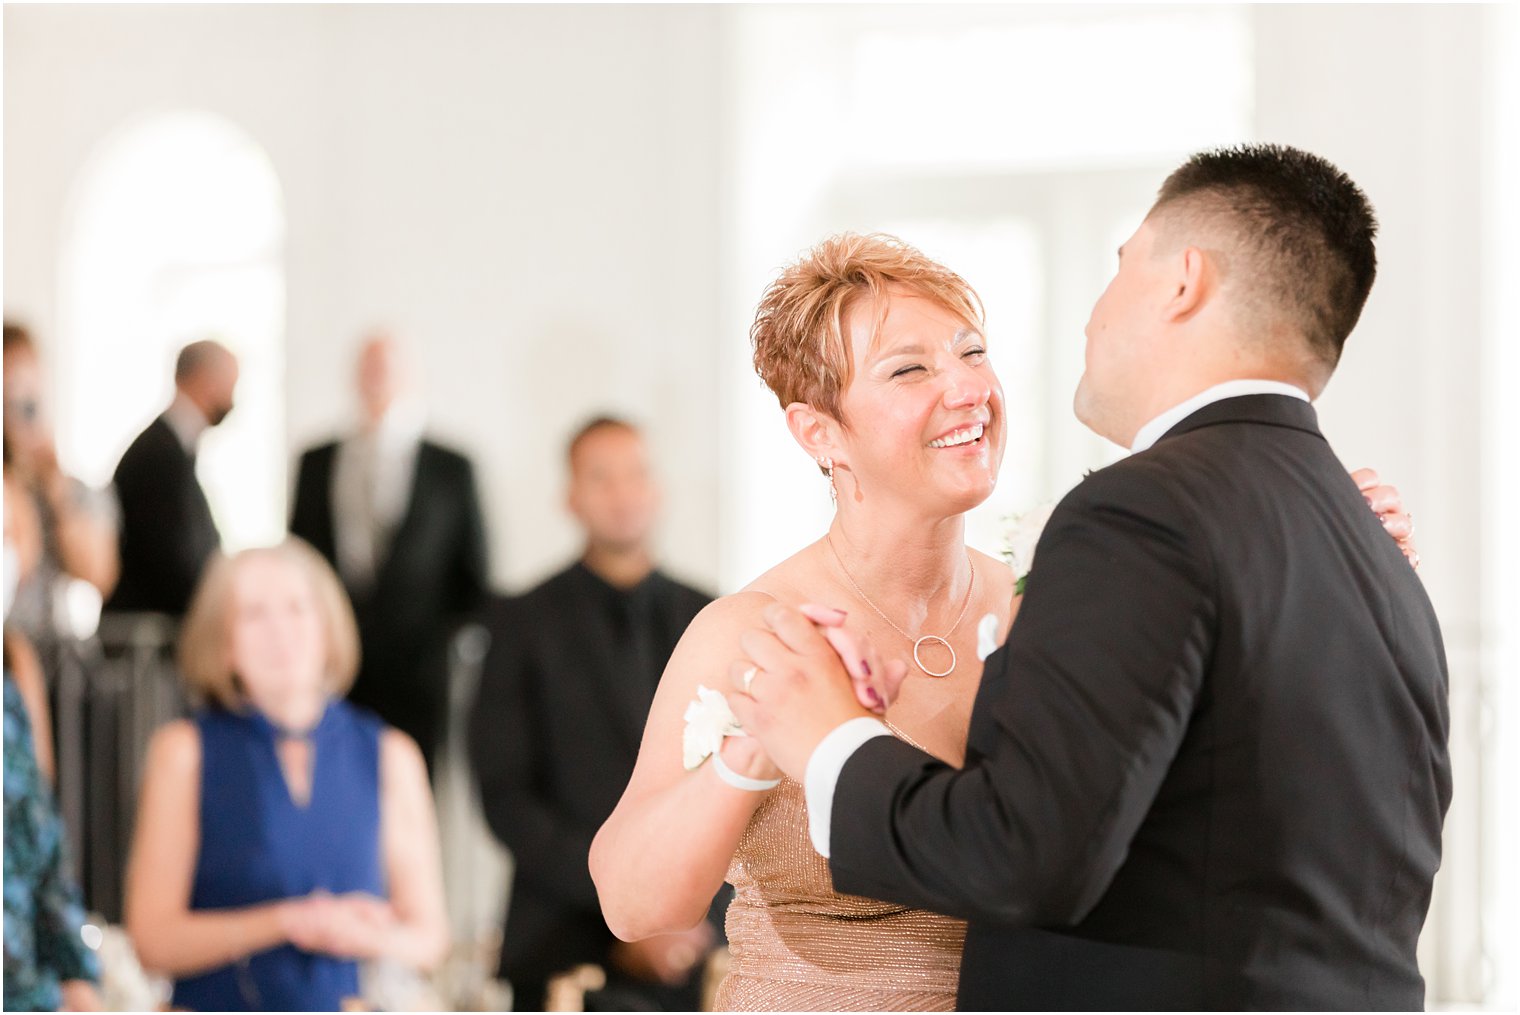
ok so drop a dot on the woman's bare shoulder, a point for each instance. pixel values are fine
(400, 754)
(175, 745)
(174, 755)
(717, 629)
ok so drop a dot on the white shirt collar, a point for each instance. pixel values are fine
(1153, 431)
(186, 420)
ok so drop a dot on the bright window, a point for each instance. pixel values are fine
(175, 233)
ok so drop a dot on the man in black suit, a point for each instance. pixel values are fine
(555, 732)
(167, 533)
(398, 517)
(1209, 767)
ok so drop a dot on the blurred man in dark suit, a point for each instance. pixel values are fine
(564, 693)
(399, 518)
(167, 532)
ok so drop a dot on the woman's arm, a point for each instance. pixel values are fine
(419, 935)
(86, 535)
(169, 937)
(663, 854)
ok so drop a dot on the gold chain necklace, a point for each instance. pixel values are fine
(919, 642)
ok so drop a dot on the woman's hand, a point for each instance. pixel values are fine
(665, 958)
(350, 926)
(1388, 504)
(876, 681)
(746, 757)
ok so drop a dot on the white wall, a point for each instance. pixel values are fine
(1501, 485)
(530, 194)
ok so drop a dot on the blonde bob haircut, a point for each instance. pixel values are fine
(205, 639)
(801, 350)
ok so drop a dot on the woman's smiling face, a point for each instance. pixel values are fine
(923, 410)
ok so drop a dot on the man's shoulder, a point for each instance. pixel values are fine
(317, 459)
(689, 597)
(1152, 476)
(564, 586)
(321, 451)
(547, 606)
(153, 437)
(446, 456)
(154, 448)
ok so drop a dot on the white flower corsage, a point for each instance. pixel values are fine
(1020, 539)
(986, 636)
(708, 721)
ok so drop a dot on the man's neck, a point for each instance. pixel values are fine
(618, 567)
(187, 419)
(396, 433)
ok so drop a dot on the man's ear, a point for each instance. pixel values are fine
(814, 431)
(1192, 279)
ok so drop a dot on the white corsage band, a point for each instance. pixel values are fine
(738, 781)
(708, 721)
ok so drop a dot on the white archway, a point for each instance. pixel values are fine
(175, 231)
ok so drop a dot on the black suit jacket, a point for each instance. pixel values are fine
(1209, 767)
(554, 736)
(167, 532)
(433, 576)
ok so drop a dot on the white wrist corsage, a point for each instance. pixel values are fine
(708, 721)
(1020, 538)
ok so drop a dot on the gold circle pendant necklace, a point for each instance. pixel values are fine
(920, 642)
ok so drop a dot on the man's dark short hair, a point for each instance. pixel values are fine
(1302, 229)
(592, 426)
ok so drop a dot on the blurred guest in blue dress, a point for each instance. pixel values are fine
(283, 835)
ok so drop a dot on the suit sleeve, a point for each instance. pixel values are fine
(472, 561)
(305, 502)
(1079, 717)
(549, 851)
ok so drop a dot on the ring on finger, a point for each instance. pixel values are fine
(748, 678)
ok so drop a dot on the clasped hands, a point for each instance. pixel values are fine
(352, 925)
(802, 676)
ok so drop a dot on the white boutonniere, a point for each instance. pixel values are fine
(708, 721)
(986, 636)
(1020, 539)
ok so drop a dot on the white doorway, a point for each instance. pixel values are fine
(175, 232)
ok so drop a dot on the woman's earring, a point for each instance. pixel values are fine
(827, 465)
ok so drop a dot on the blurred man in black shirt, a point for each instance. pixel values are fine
(564, 693)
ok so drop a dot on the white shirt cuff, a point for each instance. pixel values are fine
(823, 769)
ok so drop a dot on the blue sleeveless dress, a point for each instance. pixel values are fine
(258, 845)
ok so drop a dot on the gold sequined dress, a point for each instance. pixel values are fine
(797, 945)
